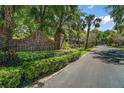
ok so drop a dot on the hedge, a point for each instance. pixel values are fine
(29, 71)
(10, 77)
(38, 55)
(33, 69)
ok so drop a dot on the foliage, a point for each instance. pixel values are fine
(122, 48)
(35, 68)
(25, 24)
(117, 13)
(66, 45)
(50, 19)
(90, 21)
(37, 55)
(29, 71)
(112, 38)
(10, 77)
(21, 57)
(1, 16)
(2, 53)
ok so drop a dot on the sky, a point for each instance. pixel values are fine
(101, 12)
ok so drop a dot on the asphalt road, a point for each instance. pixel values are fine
(100, 68)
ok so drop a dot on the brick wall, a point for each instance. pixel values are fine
(37, 41)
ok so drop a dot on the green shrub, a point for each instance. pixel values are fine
(10, 77)
(2, 53)
(38, 55)
(34, 69)
(28, 71)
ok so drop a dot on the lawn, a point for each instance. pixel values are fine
(121, 48)
(35, 64)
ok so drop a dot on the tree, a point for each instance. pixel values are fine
(117, 13)
(108, 37)
(118, 39)
(119, 27)
(90, 21)
(41, 15)
(98, 36)
(1, 16)
(57, 21)
(9, 25)
(61, 15)
(25, 23)
(78, 25)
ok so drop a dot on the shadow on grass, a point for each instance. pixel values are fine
(113, 56)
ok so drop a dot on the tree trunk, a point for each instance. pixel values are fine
(59, 40)
(87, 37)
(78, 38)
(9, 25)
(59, 36)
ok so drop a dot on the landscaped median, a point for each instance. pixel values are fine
(29, 71)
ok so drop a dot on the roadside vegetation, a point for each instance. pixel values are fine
(31, 68)
(115, 37)
(73, 31)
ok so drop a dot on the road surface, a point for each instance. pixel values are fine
(100, 68)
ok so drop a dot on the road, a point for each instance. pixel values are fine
(100, 68)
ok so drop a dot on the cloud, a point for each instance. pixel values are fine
(91, 6)
(106, 19)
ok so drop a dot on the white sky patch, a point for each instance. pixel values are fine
(106, 19)
(92, 6)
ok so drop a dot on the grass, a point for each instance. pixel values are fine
(84, 51)
(87, 50)
(121, 48)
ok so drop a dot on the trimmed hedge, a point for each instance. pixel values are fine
(10, 77)
(38, 55)
(29, 71)
(25, 74)
(34, 69)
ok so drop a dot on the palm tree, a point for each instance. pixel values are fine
(117, 13)
(61, 15)
(91, 20)
(1, 16)
(40, 14)
(119, 27)
(8, 26)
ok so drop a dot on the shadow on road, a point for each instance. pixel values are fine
(110, 56)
